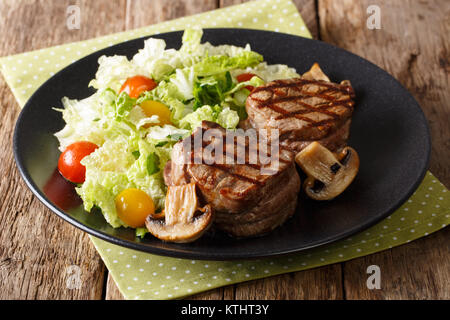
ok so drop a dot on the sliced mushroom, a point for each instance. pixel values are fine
(183, 220)
(328, 174)
(315, 73)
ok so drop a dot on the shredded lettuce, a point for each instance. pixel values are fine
(124, 104)
(211, 90)
(156, 59)
(211, 65)
(183, 80)
(88, 119)
(192, 44)
(107, 176)
(113, 71)
(156, 134)
(226, 117)
(269, 72)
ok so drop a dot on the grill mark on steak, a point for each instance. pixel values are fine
(305, 109)
(247, 149)
(233, 154)
(343, 88)
(229, 153)
(247, 202)
(226, 168)
(298, 86)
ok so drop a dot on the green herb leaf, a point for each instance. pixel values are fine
(228, 81)
(124, 104)
(213, 65)
(161, 144)
(141, 232)
(136, 154)
(211, 90)
(176, 137)
(152, 163)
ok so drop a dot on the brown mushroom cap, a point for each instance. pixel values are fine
(183, 220)
(181, 232)
(328, 174)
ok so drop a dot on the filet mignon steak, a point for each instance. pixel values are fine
(246, 202)
(306, 109)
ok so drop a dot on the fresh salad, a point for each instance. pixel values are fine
(116, 142)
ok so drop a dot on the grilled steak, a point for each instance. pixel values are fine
(306, 109)
(246, 202)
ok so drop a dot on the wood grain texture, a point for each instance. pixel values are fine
(418, 270)
(322, 283)
(141, 13)
(413, 45)
(112, 292)
(46, 22)
(37, 249)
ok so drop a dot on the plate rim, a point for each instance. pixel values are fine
(212, 256)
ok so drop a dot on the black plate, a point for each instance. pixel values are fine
(389, 131)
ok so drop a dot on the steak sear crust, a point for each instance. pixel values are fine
(246, 202)
(306, 109)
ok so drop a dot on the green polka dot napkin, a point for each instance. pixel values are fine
(146, 276)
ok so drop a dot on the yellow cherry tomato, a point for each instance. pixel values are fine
(133, 206)
(151, 107)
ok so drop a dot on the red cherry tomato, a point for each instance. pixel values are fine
(246, 77)
(134, 86)
(69, 161)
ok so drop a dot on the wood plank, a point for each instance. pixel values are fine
(37, 249)
(46, 23)
(224, 293)
(323, 283)
(112, 292)
(413, 271)
(413, 45)
(308, 11)
(155, 12)
(162, 10)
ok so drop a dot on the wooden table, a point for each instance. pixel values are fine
(36, 247)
